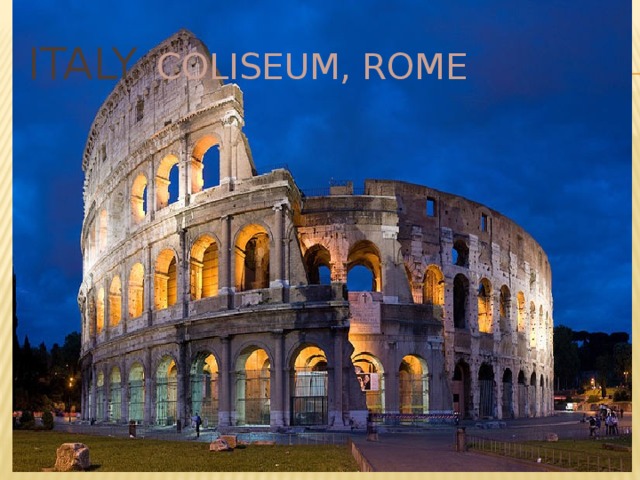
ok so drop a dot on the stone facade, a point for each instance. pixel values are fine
(226, 295)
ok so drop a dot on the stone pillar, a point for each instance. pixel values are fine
(227, 151)
(475, 391)
(148, 287)
(278, 374)
(184, 172)
(124, 391)
(182, 409)
(392, 379)
(340, 398)
(152, 208)
(499, 394)
(149, 385)
(224, 398)
(226, 284)
(277, 265)
(183, 293)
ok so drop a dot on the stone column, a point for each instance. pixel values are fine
(148, 287)
(149, 384)
(475, 391)
(336, 405)
(226, 284)
(124, 391)
(278, 375)
(392, 379)
(182, 409)
(224, 396)
(277, 265)
(183, 293)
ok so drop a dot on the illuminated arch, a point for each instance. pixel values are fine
(115, 395)
(204, 388)
(166, 391)
(163, 181)
(253, 387)
(138, 198)
(309, 387)
(433, 286)
(505, 309)
(365, 253)
(252, 258)
(522, 314)
(115, 302)
(206, 150)
(166, 280)
(414, 385)
(370, 373)
(100, 310)
(204, 268)
(136, 392)
(485, 314)
(317, 260)
(102, 234)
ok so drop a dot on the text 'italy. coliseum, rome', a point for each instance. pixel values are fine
(210, 288)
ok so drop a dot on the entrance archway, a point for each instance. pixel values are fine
(414, 385)
(204, 388)
(253, 388)
(370, 373)
(309, 398)
(486, 383)
(507, 394)
(136, 393)
(461, 389)
(166, 392)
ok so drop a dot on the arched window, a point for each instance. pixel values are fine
(136, 290)
(433, 286)
(166, 284)
(205, 167)
(460, 253)
(138, 198)
(505, 309)
(204, 268)
(167, 174)
(115, 302)
(522, 314)
(100, 310)
(364, 254)
(485, 316)
(460, 294)
(252, 258)
(317, 259)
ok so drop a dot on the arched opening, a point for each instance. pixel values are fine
(100, 397)
(102, 236)
(522, 395)
(167, 181)
(136, 290)
(204, 268)
(485, 317)
(115, 395)
(370, 374)
(461, 389)
(252, 258)
(414, 385)
(507, 394)
(318, 262)
(136, 393)
(253, 388)
(505, 310)
(460, 253)
(433, 286)
(115, 302)
(100, 310)
(486, 384)
(205, 165)
(204, 388)
(532, 395)
(309, 399)
(139, 198)
(166, 282)
(522, 314)
(166, 392)
(460, 293)
(364, 254)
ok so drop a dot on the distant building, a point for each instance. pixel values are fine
(227, 295)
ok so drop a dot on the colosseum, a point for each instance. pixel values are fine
(211, 288)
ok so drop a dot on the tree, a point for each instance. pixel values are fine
(566, 361)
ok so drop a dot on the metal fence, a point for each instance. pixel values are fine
(562, 458)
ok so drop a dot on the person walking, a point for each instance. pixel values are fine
(198, 421)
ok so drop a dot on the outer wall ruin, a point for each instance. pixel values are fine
(225, 294)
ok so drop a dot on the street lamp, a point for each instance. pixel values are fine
(625, 377)
(70, 389)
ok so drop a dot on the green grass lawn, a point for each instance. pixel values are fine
(577, 455)
(33, 451)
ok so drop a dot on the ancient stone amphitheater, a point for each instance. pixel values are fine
(211, 288)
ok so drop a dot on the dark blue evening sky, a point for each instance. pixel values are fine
(539, 131)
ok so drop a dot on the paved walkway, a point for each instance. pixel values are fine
(433, 451)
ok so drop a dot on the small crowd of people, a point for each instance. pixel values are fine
(604, 416)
